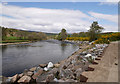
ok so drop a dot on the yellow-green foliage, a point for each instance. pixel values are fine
(107, 38)
(78, 38)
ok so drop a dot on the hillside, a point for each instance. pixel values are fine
(15, 34)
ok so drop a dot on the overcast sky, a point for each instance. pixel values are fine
(53, 16)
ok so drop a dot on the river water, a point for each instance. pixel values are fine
(16, 58)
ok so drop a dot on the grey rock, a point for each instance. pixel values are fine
(20, 75)
(57, 65)
(15, 78)
(24, 79)
(33, 69)
(29, 73)
(43, 65)
(67, 73)
(50, 78)
(37, 74)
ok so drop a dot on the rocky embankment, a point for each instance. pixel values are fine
(68, 70)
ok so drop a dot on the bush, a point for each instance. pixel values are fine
(107, 38)
(78, 38)
(101, 41)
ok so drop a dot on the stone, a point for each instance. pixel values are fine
(78, 72)
(29, 73)
(45, 69)
(64, 67)
(57, 65)
(50, 65)
(88, 55)
(43, 65)
(55, 79)
(7, 80)
(70, 80)
(89, 69)
(24, 79)
(50, 78)
(20, 75)
(33, 69)
(67, 73)
(76, 68)
(83, 78)
(55, 71)
(38, 68)
(70, 66)
(15, 78)
(25, 71)
(37, 74)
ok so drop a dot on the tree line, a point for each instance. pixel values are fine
(93, 33)
(15, 34)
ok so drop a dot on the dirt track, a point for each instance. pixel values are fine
(107, 69)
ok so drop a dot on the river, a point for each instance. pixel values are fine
(16, 58)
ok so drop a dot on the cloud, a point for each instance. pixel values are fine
(109, 2)
(48, 20)
(113, 18)
(110, 28)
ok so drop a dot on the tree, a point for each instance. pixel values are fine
(94, 31)
(75, 35)
(62, 35)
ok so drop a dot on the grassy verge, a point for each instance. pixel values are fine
(14, 41)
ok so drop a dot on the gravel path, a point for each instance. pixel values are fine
(107, 68)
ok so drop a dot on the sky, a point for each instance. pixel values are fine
(53, 16)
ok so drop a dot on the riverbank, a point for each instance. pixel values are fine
(68, 70)
(107, 68)
(15, 43)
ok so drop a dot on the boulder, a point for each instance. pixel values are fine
(33, 69)
(55, 71)
(75, 68)
(43, 65)
(15, 78)
(29, 73)
(89, 69)
(25, 72)
(24, 79)
(83, 78)
(45, 69)
(50, 78)
(20, 75)
(67, 73)
(78, 72)
(50, 65)
(37, 74)
(6, 79)
(38, 68)
(88, 55)
(56, 65)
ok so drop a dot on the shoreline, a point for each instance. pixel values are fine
(42, 73)
(15, 43)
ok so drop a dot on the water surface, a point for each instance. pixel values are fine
(16, 58)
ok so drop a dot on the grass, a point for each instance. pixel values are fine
(13, 41)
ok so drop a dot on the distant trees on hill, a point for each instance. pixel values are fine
(14, 34)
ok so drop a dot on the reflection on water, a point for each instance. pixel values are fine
(18, 57)
(63, 47)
